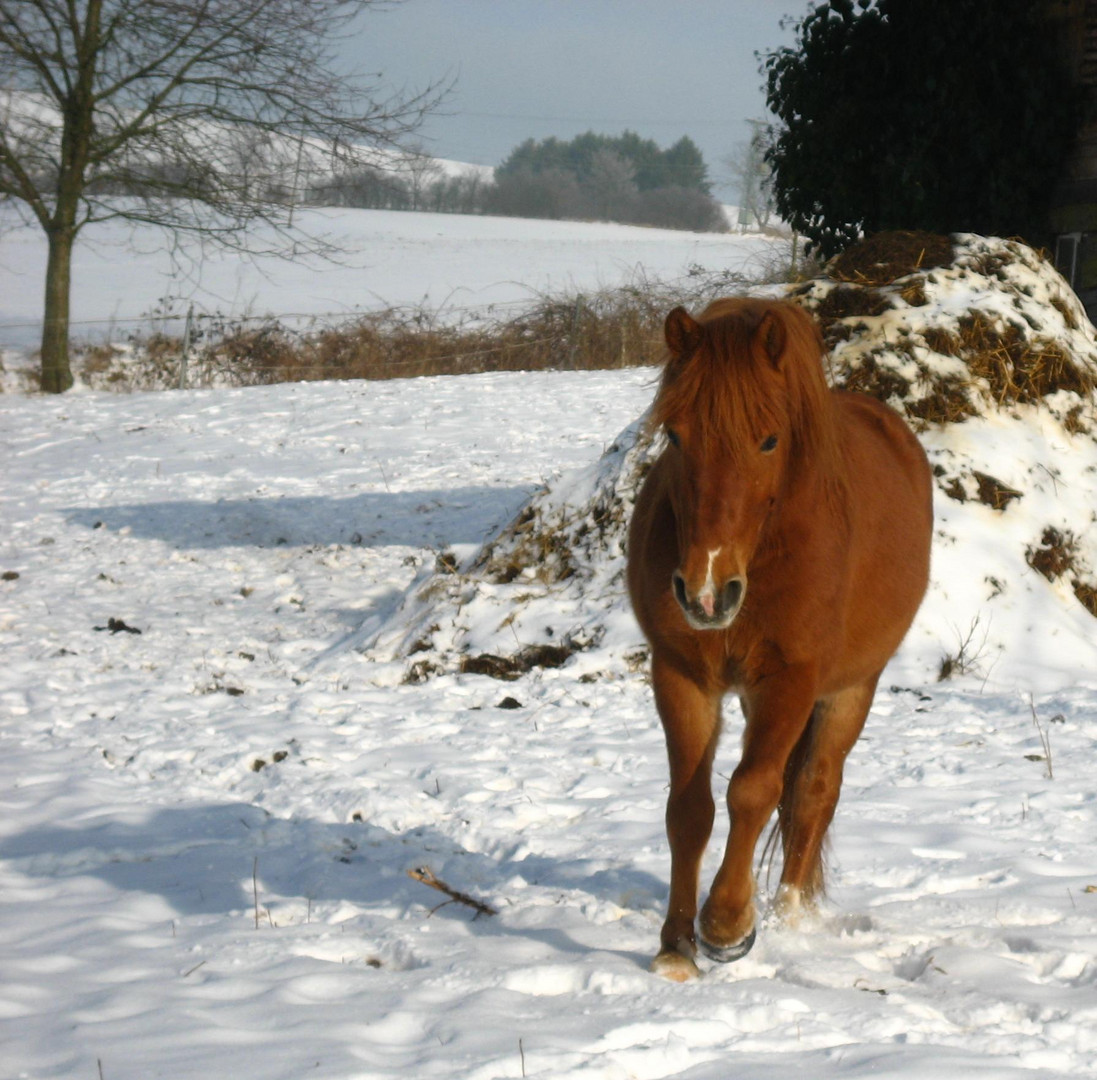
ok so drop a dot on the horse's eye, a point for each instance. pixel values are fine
(672, 437)
(770, 444)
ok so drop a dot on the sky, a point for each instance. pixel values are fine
(535, 68)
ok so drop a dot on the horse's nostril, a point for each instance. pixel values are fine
(733, 593)
(680, 588)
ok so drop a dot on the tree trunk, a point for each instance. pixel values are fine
(56, 374)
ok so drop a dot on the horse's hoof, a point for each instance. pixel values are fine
(675, 966)
(725, 954)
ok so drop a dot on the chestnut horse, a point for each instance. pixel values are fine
(779, 549)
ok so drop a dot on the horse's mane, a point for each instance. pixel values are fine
(724, 388)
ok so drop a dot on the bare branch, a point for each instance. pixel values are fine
(193, 115)
(426, 876)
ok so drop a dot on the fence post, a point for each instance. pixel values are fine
(573, 351)
(186, 348)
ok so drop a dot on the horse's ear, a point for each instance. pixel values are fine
(772, 335)
(683, 333)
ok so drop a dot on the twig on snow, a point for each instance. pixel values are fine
(1045, 740)
(425, 875)
(255, 887)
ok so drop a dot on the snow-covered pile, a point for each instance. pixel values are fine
(549, 586)
(990, 357)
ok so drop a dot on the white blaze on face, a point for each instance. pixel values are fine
(707, 596)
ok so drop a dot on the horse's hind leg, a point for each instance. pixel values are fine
(813, 781)
(691, 722)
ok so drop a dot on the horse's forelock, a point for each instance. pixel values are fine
(724, 389)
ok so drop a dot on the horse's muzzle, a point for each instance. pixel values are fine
(711, 608)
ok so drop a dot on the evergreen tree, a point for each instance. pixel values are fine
(943, 115)
(686, 167)
(682, 165)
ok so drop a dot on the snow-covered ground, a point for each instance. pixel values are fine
(245, 532)
(123, 281)
(211, 798)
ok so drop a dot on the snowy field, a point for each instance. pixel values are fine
(211, 803)
(245, 532)
(122, 279)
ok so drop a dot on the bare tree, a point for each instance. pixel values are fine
(749, 172)
(420, 170)
(197, 111)
(611, 185)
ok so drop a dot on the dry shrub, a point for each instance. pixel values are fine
(140, 363)
(96, 361)
(888, 256)
(615, 328)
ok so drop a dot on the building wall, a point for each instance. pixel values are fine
(1073, 214)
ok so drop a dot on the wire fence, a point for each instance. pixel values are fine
(176, 349)
(151, 318)
(168, 347)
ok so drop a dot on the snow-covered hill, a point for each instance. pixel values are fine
(125, 280)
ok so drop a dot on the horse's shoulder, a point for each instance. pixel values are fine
(870, 415)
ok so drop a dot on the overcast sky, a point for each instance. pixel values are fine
(534, 68)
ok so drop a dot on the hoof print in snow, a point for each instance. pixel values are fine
(9, 575)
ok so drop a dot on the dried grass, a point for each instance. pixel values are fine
(615, 328)
(947, 402)
(509, 668)
(1067, 312)
(1055, 555)
(1087, 595)
(993, 493)
(888, 256)
(1015, 365)
(846, 302)
(871, 377)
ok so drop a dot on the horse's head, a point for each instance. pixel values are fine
(738, 401)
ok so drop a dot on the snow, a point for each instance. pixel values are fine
(124, 280)
(171, 907)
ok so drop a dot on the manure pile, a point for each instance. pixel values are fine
(985, 350)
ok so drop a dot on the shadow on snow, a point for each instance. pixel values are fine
(374, 519)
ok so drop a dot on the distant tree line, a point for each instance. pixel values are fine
(591, 177)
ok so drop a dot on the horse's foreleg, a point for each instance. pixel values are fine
(776, 717)
(812, 793)
(691, 721)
